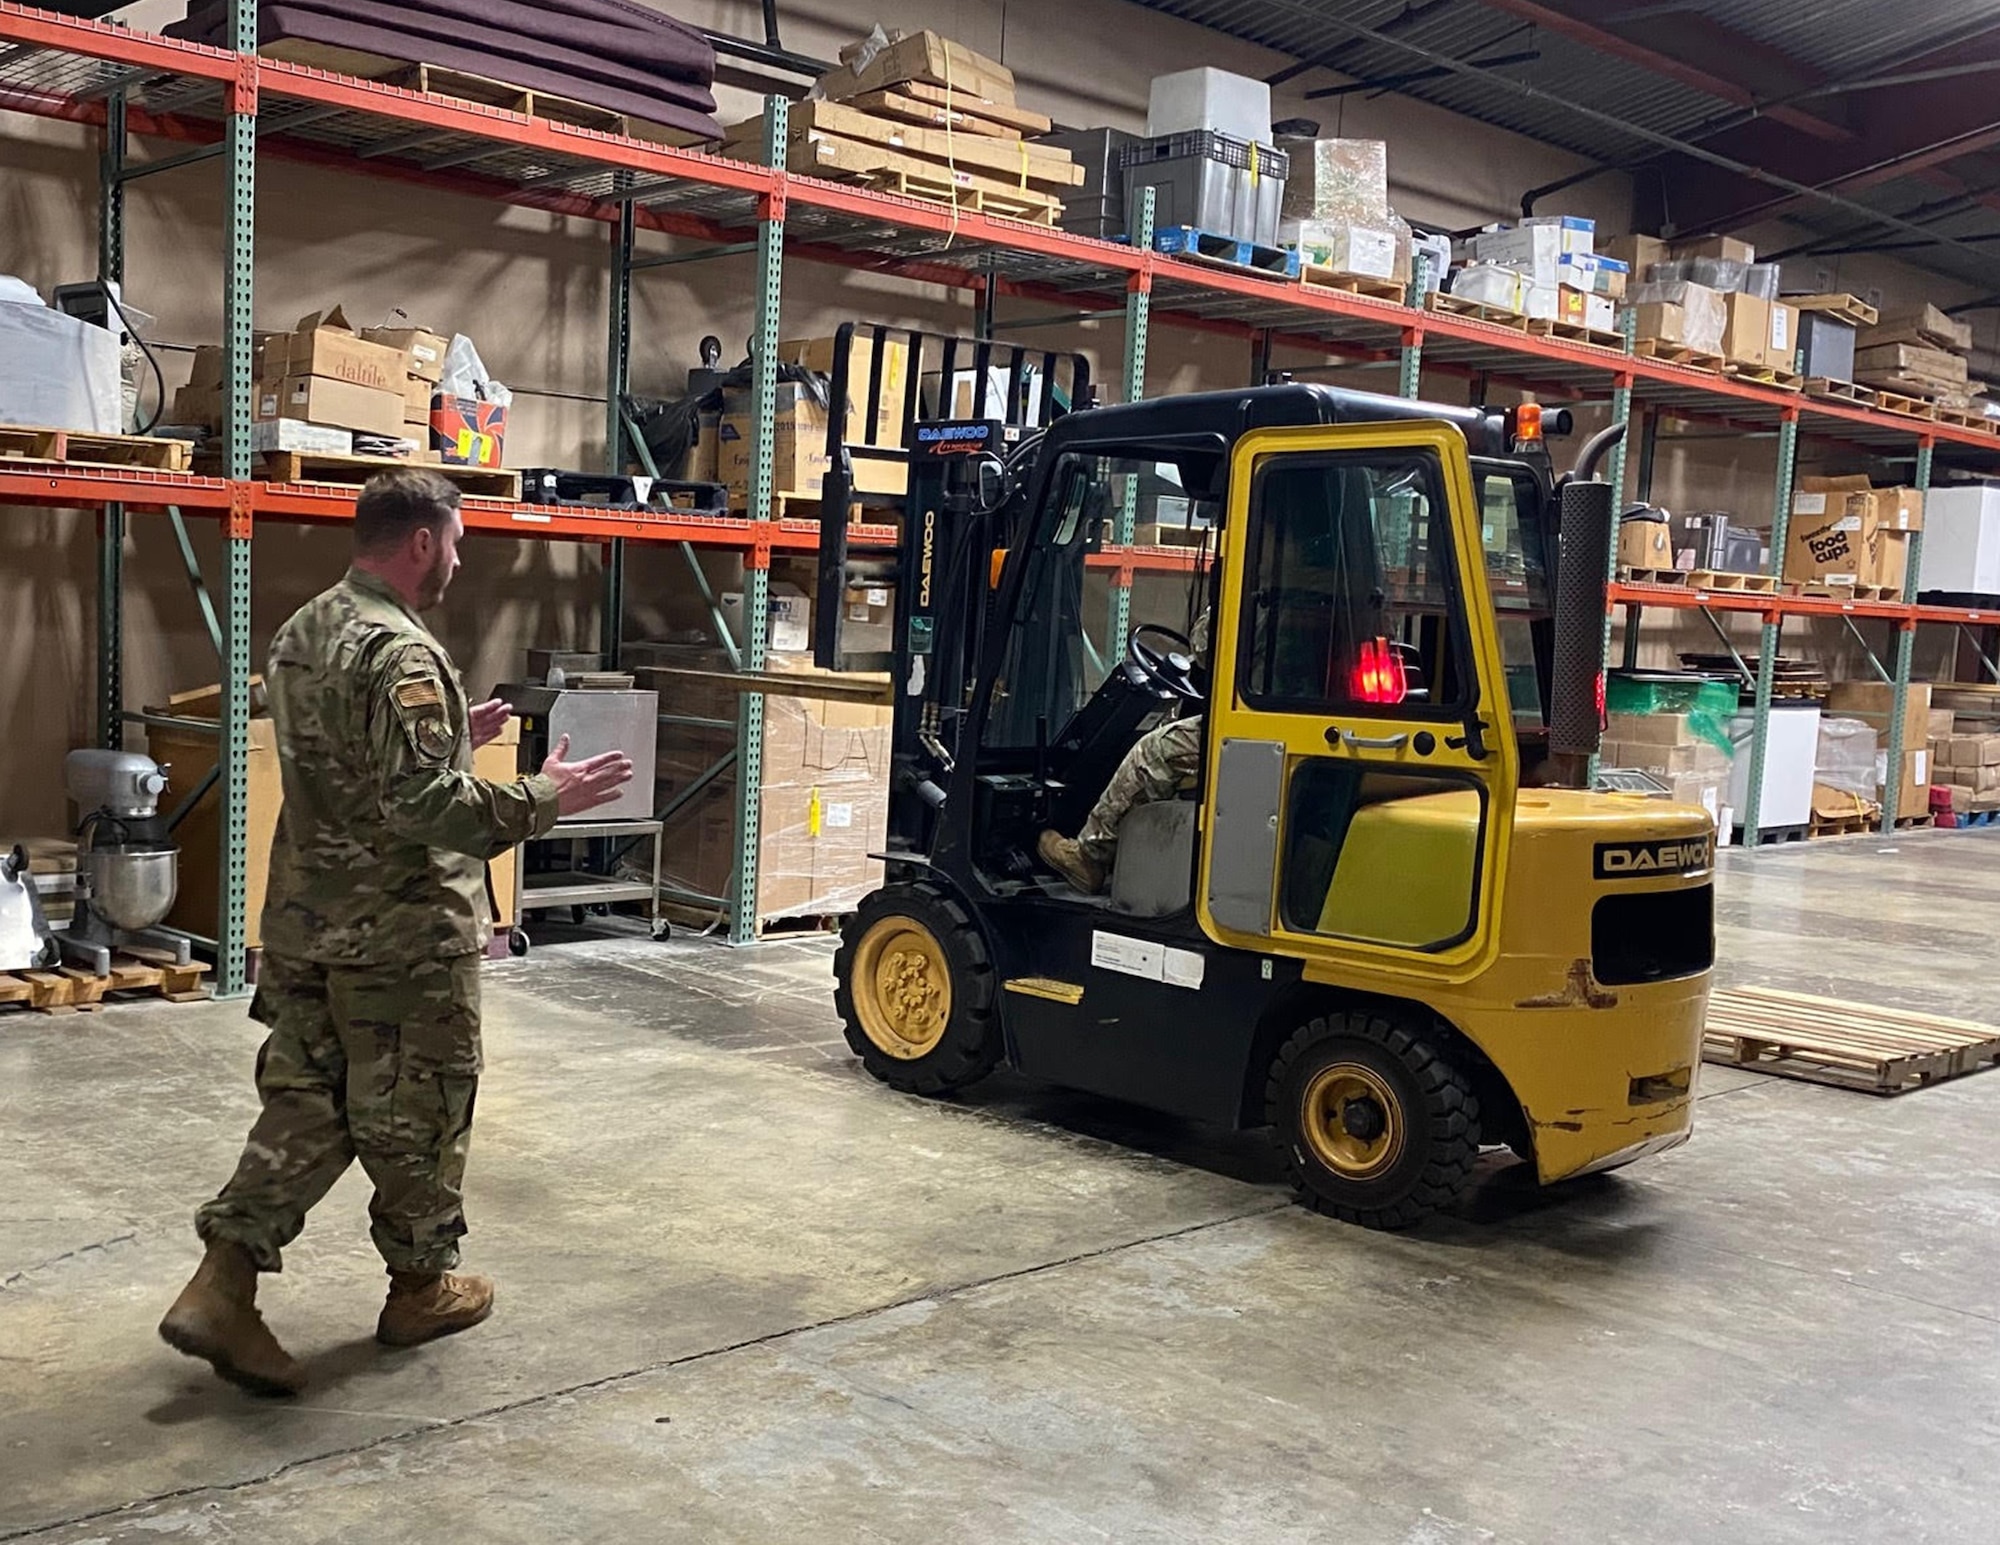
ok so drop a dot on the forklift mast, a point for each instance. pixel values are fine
(960, 418)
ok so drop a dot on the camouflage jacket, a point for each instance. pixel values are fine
(380, 854)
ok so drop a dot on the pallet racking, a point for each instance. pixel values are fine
(233, 105)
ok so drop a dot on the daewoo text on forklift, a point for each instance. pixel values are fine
(1388, 919)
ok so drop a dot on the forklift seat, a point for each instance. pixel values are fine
(1153, 872)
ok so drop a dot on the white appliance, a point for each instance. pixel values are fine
(1791, 750)
(1191, 100)
(1962, 540)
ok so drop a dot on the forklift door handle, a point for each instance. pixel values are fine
(1354, 742)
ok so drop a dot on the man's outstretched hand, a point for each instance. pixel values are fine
(487, 719)
(587, 784)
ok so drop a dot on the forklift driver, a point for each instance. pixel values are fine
(1160, 763)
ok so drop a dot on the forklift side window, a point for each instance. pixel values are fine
(1351, 599)
(1515, 536)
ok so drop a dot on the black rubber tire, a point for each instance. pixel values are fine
(971, 1044)
(1439, 1109)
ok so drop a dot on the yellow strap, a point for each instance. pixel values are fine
(1253, 163)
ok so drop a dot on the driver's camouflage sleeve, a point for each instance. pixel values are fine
(1155, 768)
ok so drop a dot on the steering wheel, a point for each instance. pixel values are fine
(1170, 670)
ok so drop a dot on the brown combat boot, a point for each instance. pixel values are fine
(216, 1319)
(425, 1305)
(1063, 855)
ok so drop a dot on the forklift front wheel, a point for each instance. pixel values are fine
(1377, 1127)
(914, 987)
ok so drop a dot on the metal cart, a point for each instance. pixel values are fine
(581, 888)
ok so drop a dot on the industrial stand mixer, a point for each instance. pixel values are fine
(127, 867)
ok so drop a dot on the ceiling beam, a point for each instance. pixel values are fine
(1704, 80)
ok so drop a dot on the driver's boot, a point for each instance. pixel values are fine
(1066, 856)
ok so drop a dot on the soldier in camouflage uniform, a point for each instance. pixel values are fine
(374, 922)
(1162, 759)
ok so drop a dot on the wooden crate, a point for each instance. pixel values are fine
(1849, 1045)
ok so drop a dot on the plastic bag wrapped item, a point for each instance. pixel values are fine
(465, 375)
(1435, 250)
(1369, 249)
(1761, 280)
(57, 372)
(1488, 284)
(1704, 313)
(1337, 179)
(1718, 274)
(1705, 706)
(1673, 271)
(1846, 756)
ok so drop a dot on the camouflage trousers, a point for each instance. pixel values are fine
(1165, 757)
(378, 1063)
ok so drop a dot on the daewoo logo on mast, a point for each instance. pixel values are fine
(1639, 860)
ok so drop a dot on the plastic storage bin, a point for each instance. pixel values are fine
(1192, 100)
(1212, 182)
(1096, 207)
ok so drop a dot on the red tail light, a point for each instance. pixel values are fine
(1600, 700)
(1378, 674)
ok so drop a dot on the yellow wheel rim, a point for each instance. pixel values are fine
(902, 987)
(1352, 1121)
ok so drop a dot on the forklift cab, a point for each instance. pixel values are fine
(1353, 923)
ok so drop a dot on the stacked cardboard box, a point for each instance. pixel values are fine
(423, 364)
(1711, 297)
(331, 375)
(1547, 268)
(927, 117)
(1843, 531)
(1873, 702)
(799, 444)
(825, 800)
(1670, 747)
(1919, 353)
(1968, 766)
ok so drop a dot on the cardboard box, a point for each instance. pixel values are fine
(825, 792)
(324, 344)
(324, 400)
(1646, 544)
(1746, 330)
(1662, 322)
(1726, 249)
(416, 399)
(466, 432)
(1937, 724)
(816, 354)
(207, 368)
(290, 434)
(1872, 703)
(1915, 360)
(1638, 253)
(922, 56)
(1925, 324)
(1986, 779)
(1889, 560)
(704, 459)
(1650, 729)
(199, 405)
(423, 352)
(1782, 347)
(798, 450)
(1827, 538)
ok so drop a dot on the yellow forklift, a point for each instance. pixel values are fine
(1385, 917)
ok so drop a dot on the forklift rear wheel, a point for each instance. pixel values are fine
(914, 987)
(1377, 1127)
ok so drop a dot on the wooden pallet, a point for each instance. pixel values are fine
(1728, 579)
(26, 443)
(67, 990)
(1843, 308)
(1575, 332)
(1026, 207)
(1765, 375)
(1968, 418)
(1907, 822)
(1478, 310)
(1830, 390)
(1774, 836)
(1849, 1045)
(439, 81)
(1630, 576)
(324, 467)
(1678, 354)
(1841, 825)
(1821, 590)
(1910, 407)
(1314, 276)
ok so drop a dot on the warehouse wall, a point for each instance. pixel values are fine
(530, 289)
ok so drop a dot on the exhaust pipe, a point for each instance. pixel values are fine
(1583, 564)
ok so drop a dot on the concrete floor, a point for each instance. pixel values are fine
(748, 1295)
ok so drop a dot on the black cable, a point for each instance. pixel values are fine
(159, 376)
